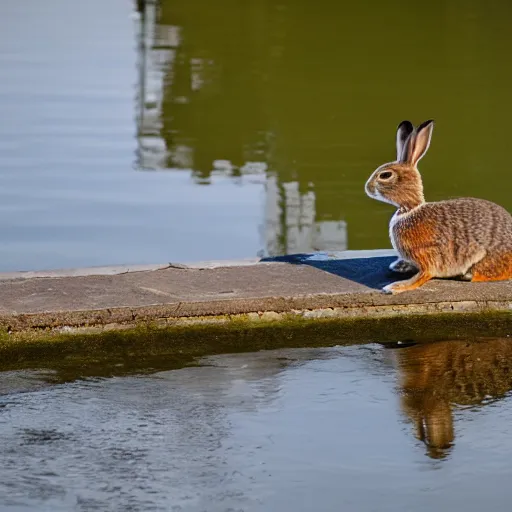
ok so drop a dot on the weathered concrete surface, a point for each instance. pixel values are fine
(306, 285)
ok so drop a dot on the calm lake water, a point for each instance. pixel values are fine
(198, 130)
(365, 428)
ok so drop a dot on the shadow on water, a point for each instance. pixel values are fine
(437, 379)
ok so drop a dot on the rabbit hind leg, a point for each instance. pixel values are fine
(496, 267)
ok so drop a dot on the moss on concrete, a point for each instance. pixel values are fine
(152, 347)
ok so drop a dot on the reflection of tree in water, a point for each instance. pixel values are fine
(435, 377)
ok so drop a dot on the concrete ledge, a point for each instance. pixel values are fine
(322, 285)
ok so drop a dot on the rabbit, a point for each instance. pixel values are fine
(463, 238)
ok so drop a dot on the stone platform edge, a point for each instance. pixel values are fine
(319, 286)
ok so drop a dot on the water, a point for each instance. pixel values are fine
(361, 428)
(200, 132)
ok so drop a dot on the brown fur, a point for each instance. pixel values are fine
(494, 267)
(458, 237)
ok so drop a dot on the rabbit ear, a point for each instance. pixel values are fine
(418, 143)
(405, 128)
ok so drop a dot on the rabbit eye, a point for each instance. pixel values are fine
(385, 175)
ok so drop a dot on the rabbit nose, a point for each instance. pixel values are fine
(370, 188)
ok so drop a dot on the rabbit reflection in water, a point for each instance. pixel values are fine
(437, 379)
(467, 237)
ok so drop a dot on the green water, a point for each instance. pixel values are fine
(315, 90)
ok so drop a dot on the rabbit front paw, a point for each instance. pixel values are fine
(409, 284)
(391, 289)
